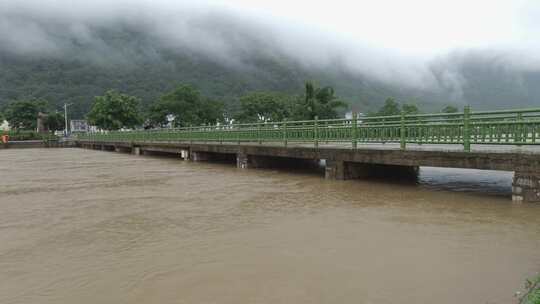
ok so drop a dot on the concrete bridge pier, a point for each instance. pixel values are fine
(334, 170)
(526, 187)
(122, 149)
(184, 154)
(249, 161)
(343, 170)
(110, 148)
(245, 161)
(199, 156)
(242, 161)
(136, 151)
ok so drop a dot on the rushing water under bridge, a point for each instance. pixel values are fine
(359, 147)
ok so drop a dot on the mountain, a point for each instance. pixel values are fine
(135, 59)
(492, 80)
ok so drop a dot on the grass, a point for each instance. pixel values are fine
(532, 291)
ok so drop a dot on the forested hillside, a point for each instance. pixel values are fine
(77, 80)
(134, 62)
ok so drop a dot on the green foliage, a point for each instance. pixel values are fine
(532, 293)
(410, 109)
(22, 114)
(55, 121)
(19, 135)
(450, 109)
(390, 107)
(187, 106)
(265, 106)
(114, 111)
(316, 101)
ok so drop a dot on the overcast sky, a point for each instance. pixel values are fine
(415, 26)
(393, 40)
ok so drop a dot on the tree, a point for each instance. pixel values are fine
(390, 107)
(186, 105)
(450, 109)
(114, 111)
(264, 106)
(55, 121)
(22, 114)
(320, 102)
(410, 109)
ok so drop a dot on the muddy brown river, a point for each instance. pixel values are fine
(81, 226)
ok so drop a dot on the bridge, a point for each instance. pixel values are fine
(358, 147)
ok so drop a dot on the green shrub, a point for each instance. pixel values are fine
(19, 135)
(532, 293)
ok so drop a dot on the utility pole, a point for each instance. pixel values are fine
(66, 119)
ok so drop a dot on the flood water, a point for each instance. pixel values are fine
(81, 226)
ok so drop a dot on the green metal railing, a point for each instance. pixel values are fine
(504, 127)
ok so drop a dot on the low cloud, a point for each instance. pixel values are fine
(95, 32)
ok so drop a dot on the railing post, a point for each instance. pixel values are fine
(519, 132)
(190, 134)
(354, 130)
(219, 130)
(402, 141)
(316, 131)
(285, 132)
(259, 139)
(237, 135)
(467, 129)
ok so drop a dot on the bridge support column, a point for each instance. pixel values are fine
(245, 161)
(136, 150)
(184, 154)
(526, 187)
(342, 170)
(242, 161)
(199, 156)
(334, 170)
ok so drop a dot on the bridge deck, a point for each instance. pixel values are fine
(489, 157)
(380, 146)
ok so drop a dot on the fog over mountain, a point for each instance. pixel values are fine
(74, 50)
